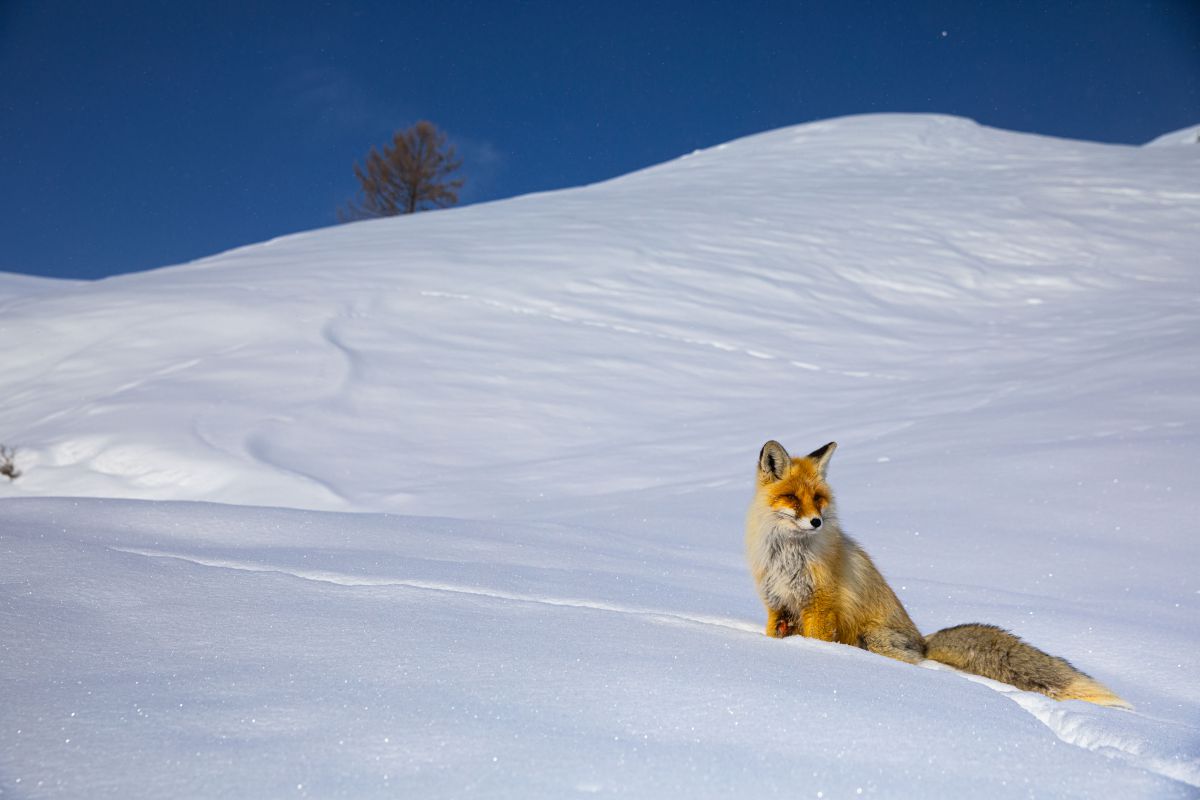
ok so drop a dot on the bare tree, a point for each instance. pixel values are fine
(7, 468)
(410, 175)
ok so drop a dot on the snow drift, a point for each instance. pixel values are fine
(545, 414)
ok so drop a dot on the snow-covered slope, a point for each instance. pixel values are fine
(558, 401)
(1184, 136)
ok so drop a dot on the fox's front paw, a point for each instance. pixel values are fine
(782, 627)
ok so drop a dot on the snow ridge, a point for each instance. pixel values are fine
(453, 504)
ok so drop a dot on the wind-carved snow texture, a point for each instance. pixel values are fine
(1154, 744)
(1085, 729)
(351, 580)
(476, 483)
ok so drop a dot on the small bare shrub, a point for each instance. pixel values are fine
(7, 468)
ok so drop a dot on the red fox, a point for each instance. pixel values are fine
(816, 581)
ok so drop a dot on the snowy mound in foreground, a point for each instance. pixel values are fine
(563, 396)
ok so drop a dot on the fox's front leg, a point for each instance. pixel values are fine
(780, 623)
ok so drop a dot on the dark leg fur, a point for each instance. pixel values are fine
(780, 623)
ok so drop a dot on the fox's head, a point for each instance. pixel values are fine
(794, 488)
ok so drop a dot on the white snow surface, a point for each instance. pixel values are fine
(1184, 136)
(451, 505)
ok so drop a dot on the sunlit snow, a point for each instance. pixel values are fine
(451, 505)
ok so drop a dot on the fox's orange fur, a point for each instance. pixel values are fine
(817, 582)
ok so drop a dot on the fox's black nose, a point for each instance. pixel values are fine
(816, 522)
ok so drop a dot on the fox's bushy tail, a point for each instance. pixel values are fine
(995, 653)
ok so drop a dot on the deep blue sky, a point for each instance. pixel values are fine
(140, 134)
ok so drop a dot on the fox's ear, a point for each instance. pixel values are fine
(822, 455)
(773, 461)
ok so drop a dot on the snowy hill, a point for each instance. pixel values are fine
(544, 414)
(1184, 136)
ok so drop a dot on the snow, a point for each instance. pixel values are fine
(452, 504)
(1184, 136)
